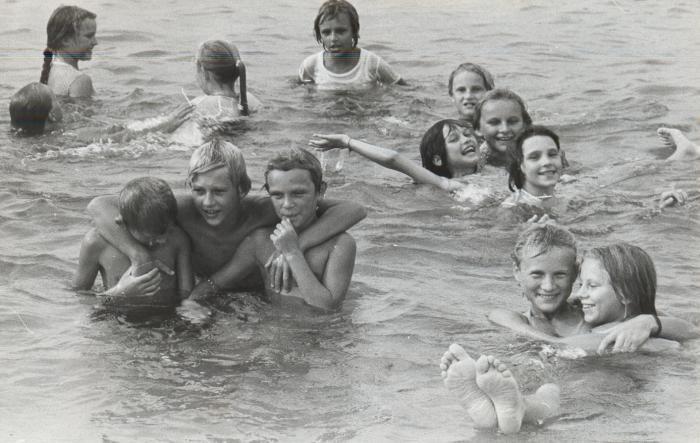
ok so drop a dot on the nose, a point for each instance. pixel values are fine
(580, 294)
(287, 202)
(208, 199)
(470, 93)
(547, 283)
(503, 126)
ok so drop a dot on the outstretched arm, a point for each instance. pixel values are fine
(385, 157)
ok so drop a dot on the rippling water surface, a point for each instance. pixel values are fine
(605, 74)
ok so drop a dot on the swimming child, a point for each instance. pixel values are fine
(218, 214)
(466, 86)
(684, 148)
(499, 118)
(488, 391)
(70, 38)
(449, 152)
(535, 167)
(322, 274)
(147, 210)
(545, 266)
(32, 107)
(341, 64)
(218, 67)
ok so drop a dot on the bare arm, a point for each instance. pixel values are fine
(385, 157)
(325, 294)
(335, 217)
(185, 276)
(88, 262)
(81, 87)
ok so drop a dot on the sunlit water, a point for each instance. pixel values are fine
(605, 74)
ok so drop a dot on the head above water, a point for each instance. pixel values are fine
(516, 176)
(540, 239)
(501, 94)
(147, 205)
(632, 275)
(64, 24)
(220, 154)
(296, 158)
(30, 108)
(476, 69)
(433, 150)
(219, 58)
(331, 9)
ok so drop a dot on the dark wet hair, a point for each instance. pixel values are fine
(501, 94)
(64, 23)
(333, 8)
(476, 69)
(147, 204)
(30, 108)
(516, 177)
(296, 158)
(433, 143)
(632, 275)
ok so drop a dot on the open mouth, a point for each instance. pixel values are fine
(469, 149)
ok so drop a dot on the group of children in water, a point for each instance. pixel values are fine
(148, 244)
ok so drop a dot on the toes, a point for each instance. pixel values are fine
(482, 364)
(458, 351)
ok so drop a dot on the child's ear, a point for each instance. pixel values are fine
(322, 191)
(119, 220)
(437, 161)
(516, 272)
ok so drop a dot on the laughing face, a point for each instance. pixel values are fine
(461, 148)
(215, 196)
(546, 278)
(501, 122)
(598, 298)
(541, 165)
(467, 89)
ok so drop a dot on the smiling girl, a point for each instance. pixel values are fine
(466, 86)
(70, 38)
(341, 64)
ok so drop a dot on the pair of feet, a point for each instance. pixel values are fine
(490, 393)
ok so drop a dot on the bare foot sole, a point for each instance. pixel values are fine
(498, 383)
(459, 376)
(674, 138)
(542, 404)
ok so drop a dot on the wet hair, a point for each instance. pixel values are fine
(333, 8)
(516, 177)
(476, 69)
(540, 239)
(220, 154)
(30, 108)
(221, 59)
(296, 158)
(501, 94)
(632, 275)
(433, 143)
(64, 23)
(147, 204)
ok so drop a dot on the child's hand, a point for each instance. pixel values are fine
(285, 237)
(672, 197)
(325, 142)
(628, 336)
(279, 273)
(145, 285)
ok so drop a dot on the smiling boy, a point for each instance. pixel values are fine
(322, 274)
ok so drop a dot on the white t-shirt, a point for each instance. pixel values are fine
(369, 71)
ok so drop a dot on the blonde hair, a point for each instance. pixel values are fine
(218, 154)
(540, 239)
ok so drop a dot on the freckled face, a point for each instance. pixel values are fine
(501, 122)
(467, 89)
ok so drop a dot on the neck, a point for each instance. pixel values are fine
(344, 57)
(461, 172)
(226, 90)
(67, 59)
(539, 191)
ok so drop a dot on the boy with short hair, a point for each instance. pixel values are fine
(147, 209)
(322, 274)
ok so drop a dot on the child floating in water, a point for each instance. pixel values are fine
(219, 67)
(293, 179)
(466, 86)
(341, 64)
(449, 151)
(70, 38)
(148, 210)
(32, 107)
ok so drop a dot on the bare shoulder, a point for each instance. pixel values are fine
(93, 244)
(81, 86)
(179, 237)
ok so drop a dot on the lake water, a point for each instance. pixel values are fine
(605, 74)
